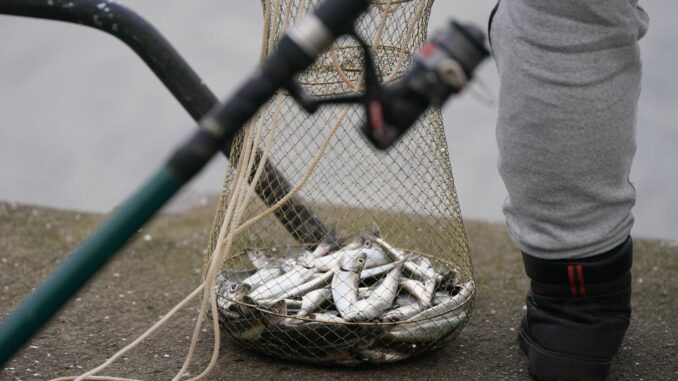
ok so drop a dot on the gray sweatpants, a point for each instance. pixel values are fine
(569, 85)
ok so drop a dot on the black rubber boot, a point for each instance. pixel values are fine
(577, 314)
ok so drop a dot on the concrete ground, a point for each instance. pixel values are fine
(164, 263)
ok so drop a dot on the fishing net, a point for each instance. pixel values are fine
(377, 268)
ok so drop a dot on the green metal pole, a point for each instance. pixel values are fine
(85, 261)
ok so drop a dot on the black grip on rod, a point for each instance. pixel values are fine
(184, 84)
(340, 16)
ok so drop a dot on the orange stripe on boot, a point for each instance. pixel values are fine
(570, 276)
(580, 278)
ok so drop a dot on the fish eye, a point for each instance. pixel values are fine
(361, 260)
(233, 288)
(367, 243)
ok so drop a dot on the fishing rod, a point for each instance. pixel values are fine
(184, 84)
(442, 68)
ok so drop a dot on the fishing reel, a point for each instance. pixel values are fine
(443, 67)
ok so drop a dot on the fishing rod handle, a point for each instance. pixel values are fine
(442, 68)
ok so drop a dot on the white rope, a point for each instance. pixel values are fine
(224, 241)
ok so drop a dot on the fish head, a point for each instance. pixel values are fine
(353, 261)
(222, 284)
(236, 292)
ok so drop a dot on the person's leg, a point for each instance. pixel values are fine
(570, 81)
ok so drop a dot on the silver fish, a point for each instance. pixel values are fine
(221, 284)
(425, 264)
(427, 330)
(228, 297)
(401, 313)
(374, 257)
(415, 271)
(280, 284)
(431, 282)
(331, 261)
(262, 275)
(314, 300)
(465, 292)
(418, 290)
(312, 284)
(379, 301)
(397, 255)
(293, 303)
(345, 281)
(236, 292)
(290, 303)
(442, 273)
(366, 243)
(379, 270)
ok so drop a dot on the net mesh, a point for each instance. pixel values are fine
(365, 294)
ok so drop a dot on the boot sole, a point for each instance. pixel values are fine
(545, 365)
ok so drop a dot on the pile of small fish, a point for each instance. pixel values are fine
(319, 293)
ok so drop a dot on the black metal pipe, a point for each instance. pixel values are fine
(180, 79)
